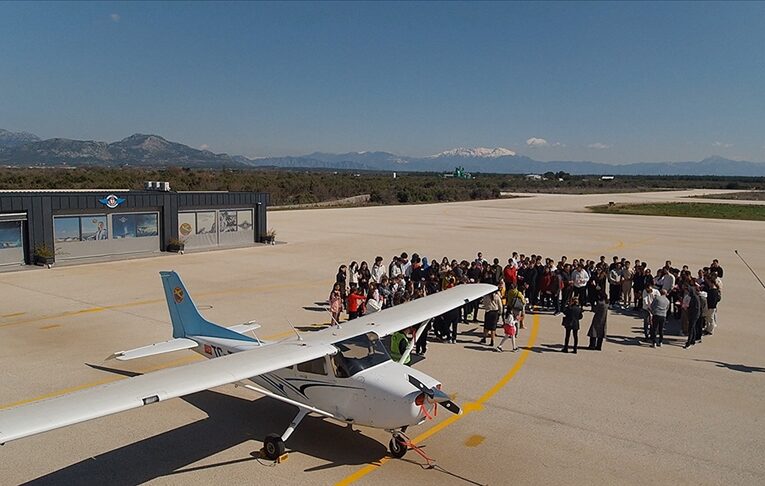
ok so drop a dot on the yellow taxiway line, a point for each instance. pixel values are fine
(467, 409)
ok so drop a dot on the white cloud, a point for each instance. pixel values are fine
(535, 142)
(598, 146)
(115, 17)
(204, 146)
(722, 145)
(558, 144)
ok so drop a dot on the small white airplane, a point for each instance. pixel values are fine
(343, 372)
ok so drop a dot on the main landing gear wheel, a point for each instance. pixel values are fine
(397, 447)
(273, 446)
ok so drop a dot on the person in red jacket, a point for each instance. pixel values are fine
(355, 302)
(510, 273)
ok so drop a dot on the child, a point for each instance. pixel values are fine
(510, 331)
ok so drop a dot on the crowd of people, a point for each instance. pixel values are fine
(535, 283)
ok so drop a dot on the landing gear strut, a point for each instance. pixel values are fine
(273, 444)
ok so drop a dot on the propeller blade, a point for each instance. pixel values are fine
(421, 386)
(452, 407)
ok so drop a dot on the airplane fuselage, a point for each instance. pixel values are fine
(380, 396)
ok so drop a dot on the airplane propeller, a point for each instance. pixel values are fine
(435, 395)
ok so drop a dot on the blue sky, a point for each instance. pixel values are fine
(611, 82)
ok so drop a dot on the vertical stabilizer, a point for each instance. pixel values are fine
(186, 319)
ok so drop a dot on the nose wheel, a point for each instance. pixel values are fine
(398, 446)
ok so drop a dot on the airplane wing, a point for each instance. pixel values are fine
(37, 417)
(392, 319)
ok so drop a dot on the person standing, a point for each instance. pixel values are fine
(342, 279)
(378, 270)
(355, 303)
(567, 286)
(510, 331)
(571, 317)
(597, 330)
(659, 309)
(649, 294)
(493, 305)
(713, 298)
(398, 344)
(626, 281)
(614, 281)
(580, 277)
(335, 304)
(694, 314)
(516, 304)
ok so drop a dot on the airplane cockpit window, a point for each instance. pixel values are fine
(359, 353)
(315, 366)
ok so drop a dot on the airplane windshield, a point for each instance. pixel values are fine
(359, 353)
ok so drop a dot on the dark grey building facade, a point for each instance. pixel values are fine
(78, 225)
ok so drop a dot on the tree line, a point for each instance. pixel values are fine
(311, 186)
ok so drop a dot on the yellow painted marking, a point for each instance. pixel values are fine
(467, 409)
(52, 326)
(15, 314)
(474, 440)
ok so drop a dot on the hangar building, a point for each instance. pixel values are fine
(78, 225)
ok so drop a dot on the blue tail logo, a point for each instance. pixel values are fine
(186, 319)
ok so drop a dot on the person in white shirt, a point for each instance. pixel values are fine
(394, 269)
(667, 281)
(406, 265)
(580, 278)
(378, 270)
(649, 294)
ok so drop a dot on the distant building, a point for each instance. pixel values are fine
(607, 178)
(534, 177)
(459, 173)
(79, 225)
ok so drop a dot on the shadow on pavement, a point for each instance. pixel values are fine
(734, 367)
(231, 421)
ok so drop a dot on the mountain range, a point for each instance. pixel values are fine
(26, 149)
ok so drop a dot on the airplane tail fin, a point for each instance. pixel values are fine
(186, 319)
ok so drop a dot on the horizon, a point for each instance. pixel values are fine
(361, 152)
(610, 83)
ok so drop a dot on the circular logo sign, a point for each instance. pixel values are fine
(185, 229)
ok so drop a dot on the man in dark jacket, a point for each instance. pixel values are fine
(694, 314)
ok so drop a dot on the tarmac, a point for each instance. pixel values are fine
(629, 414)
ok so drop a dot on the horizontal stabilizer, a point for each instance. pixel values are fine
(152, 349)
(243, 328)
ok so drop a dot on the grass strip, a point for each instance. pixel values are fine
(687, 210)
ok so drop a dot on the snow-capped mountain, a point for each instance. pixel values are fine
(482, 152)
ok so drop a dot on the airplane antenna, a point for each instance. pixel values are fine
(300, 338)
(750, 268)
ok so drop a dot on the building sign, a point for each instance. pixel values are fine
(111, 201)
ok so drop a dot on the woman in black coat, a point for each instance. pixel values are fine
(571, 317)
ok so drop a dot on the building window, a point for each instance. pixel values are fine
(136, 225)
(228, 221)
(93, 228)
(244, 218)
(66, 229)
(206, 223)
(146, 225)
(10, 234)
